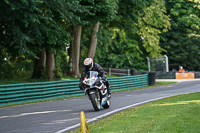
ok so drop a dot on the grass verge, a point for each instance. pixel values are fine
(29, 80)
(171, 115)
(5, 81)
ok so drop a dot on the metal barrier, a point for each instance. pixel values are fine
(128, 82)
(29, 92)
(197, 74)
(165, 75)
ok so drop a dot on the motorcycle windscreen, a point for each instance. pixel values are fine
(91, 74)
(92, 78)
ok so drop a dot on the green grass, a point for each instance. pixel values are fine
(178, 114)
(16, 81)
(29, 80)
(68, 78)
(20, 80)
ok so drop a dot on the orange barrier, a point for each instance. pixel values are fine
(184, 75)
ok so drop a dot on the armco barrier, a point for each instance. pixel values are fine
(128, 82)
(29, 92)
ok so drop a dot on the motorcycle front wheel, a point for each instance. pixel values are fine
(95, 99)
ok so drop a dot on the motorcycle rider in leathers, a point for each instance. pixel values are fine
(89, 65)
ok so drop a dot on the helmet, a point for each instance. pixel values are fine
(88, 63)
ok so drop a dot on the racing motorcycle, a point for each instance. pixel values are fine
(96, 90)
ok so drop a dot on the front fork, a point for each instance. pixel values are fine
(88, 92)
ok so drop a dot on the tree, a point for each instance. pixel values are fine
(50, 65)
(40, 64)
(92, 13)
(28, 26)
(119, 50)
(93, 41)
(102, 11)
(74, 51)
(127, 42)
(182, 41)
(152, 22)
(75, 46)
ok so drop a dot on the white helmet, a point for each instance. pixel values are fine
(88, 62)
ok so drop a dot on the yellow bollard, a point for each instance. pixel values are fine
(84, 126)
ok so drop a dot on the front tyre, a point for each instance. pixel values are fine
(95, 99)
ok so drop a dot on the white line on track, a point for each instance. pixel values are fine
(109, 113)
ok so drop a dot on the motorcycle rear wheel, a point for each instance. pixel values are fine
(95, 99)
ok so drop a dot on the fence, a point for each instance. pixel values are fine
(123, 72)
(158, 64)
(158, 74)
(29, 92)
(118, 72)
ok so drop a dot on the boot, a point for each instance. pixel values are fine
(108, 88)
(109, 91)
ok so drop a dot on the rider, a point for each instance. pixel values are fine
(89, 65)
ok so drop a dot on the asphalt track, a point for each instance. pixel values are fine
(64, 115)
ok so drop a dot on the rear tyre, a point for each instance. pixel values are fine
(95, 99)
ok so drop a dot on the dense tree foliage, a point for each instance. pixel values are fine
(152, 22)
(182, 41)
(99, 11)
(134, 35)
(28, 26)
(49, 38)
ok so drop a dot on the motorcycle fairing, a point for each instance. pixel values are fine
(92, 81)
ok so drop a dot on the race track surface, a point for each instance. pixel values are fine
(64, 115)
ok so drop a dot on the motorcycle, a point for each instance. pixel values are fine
(96, 90)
